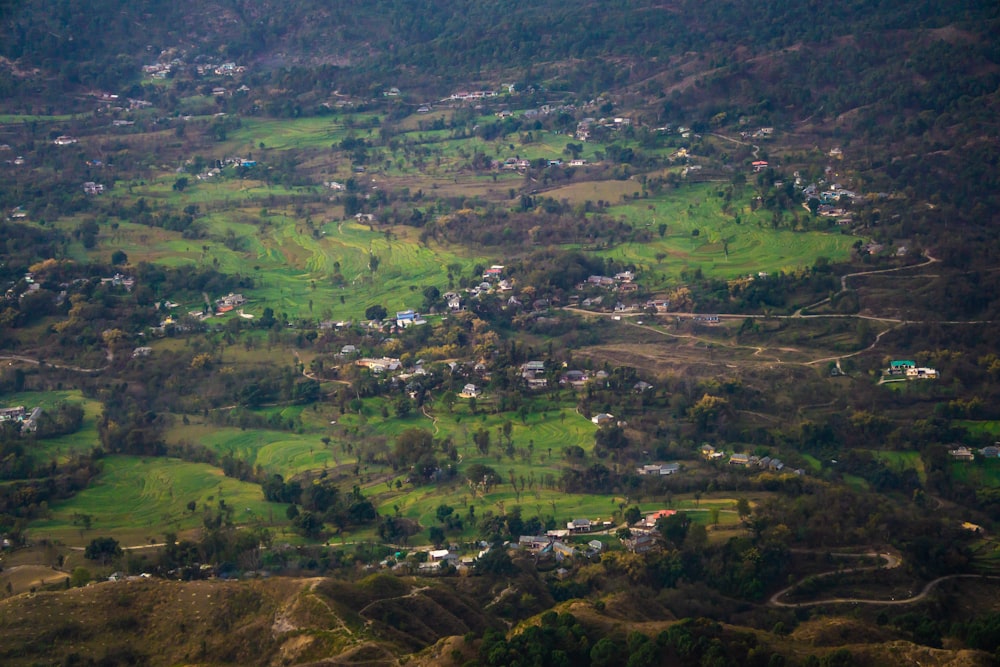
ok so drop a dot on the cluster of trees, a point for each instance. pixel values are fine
(560, 639)
(321, 502)
(540, 221)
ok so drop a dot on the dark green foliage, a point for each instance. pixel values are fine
(103, 549)
(375, 312)
(982, 632)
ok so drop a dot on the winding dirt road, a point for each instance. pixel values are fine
(891, 561)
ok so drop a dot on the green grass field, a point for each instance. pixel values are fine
(540, 441)
(978, 428)
(293, 268)
(903, 461)
(982, 473)
(294, 262)
(137, 500)
(722, 248)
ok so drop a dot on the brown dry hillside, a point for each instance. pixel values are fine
(276, 621)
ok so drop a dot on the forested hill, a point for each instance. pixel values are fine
(904, 79)
(461, 37)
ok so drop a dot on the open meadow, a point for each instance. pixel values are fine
(138, 499)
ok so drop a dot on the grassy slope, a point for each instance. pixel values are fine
(138, 499)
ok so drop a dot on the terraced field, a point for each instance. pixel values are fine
(138, 499)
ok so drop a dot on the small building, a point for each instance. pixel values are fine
(602, 418)
(441, 556)
(579, 526)
(649, 521)
(494, 271)
(470, 391)
(563, 550)
(962, 453)
(10, 414)
(596, 545)
(640, 543)
(899, 367)
(380, 365)
(534, 542)
(408, 318)
(141, 352)
(30, 423)
(739, 459)
(659, 469)
(234, 300)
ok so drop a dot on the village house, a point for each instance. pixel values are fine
(493, 272)
(12, 414)
(563, 550)
(385, 364)
(408, 318)
(602, 418)
(18, 414)
(64, 140)
(659, 469)
(661, 305)
(921, 373)
(119, 280)
(30, 423)
(141, 352)
(92, 188)
(649, 521)
(739, 459)
(962, 453)
(640, 543)
(232, 300)
(534, 542)
(899, 367)
(576, 379)
(442, 556)
(579, 526)
(470, 391)
(533, 367)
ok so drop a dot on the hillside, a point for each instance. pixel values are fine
(378, 621)
(913, 86)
